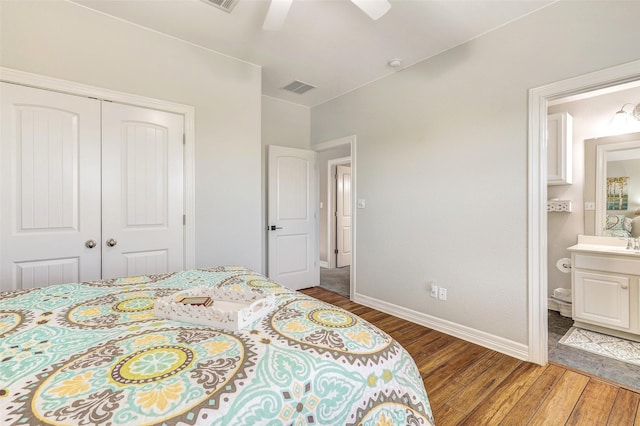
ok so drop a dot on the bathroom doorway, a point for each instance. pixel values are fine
(590, 114)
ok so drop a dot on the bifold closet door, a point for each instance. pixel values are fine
(142, 191)
(50, 182)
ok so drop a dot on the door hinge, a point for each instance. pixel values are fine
(184, 219)
(336, 251)
(184, 139)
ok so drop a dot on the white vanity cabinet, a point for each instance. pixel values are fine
(602, 298)
(605, 289)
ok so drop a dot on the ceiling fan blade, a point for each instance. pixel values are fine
(278, 10)
(374, 8)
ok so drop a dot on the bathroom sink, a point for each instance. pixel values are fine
(597, 244)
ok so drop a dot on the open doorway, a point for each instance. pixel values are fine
(539, 99)
(590, 125)
(335, 274)
(337, 191)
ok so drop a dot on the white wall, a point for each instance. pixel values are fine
(285, 123)
(442, 162)
(591, 119)
(63, 40)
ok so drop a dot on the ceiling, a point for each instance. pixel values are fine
(329, 44)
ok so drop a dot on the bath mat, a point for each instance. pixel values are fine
(601, 344)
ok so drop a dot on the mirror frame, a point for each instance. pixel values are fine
(602, 146)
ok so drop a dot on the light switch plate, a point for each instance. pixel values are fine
(590, 205)
(361, 203)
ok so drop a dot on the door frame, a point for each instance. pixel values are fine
(539, 98)
(335, 143)
(10, 75)
(331, 221)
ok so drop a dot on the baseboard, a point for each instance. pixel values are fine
(490, 341)
(324, 264)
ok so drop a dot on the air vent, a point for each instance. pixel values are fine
(298, 87)
(226, 5)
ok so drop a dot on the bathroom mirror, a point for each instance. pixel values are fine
(612, 182)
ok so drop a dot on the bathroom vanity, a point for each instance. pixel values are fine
(605, 286)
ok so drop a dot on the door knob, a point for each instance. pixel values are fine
(111, 242)
(273, 227)
(90, 244)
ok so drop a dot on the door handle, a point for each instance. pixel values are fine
(90, 244)
(273, 227)
(111, 242)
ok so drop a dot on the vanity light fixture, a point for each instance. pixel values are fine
(621, 117)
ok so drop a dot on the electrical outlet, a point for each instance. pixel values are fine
(443, 293)
(434, 290)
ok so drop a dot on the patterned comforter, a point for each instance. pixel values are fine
(93, 353)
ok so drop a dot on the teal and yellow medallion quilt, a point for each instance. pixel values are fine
(93, 353)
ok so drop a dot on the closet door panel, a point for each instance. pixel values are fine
(145, 162)
(147, 262)
(50, 143)
(142, 160)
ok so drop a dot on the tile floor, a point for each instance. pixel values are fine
(608, 368)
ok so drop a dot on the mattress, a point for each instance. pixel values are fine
(94, 353)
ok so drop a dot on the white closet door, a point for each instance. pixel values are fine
(50, 205)
(142, 191)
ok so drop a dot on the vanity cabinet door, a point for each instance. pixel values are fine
(601, 299)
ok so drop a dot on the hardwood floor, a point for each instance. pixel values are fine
(471, 385)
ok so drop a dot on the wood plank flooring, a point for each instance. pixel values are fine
(471, 385)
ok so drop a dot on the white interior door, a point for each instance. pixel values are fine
(292, 217)
(343, 216)
(50, 206)
(142, 191)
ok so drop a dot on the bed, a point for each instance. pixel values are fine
(94, 353)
